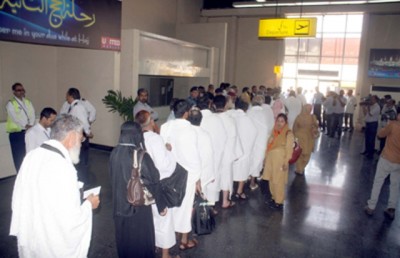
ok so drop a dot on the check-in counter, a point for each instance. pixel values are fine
(7, 165)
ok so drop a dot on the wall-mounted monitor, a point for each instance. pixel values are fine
(384, 63)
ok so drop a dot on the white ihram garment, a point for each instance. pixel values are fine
(260, 120)
(166, 164)
(207, 159)
(48, 218)
(247, 133)
(294, 107)
(183, 139)
(233, 151)
(213, 124)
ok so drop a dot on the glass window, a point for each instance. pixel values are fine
(314, 47)
(291, 46)
(334, 23)
(349, 71)
(354, 23)
(331, 60)
(331, 56)
(289, 70)
(352, 48)
(290, 59)
(288, 84)
(332, 46)
(308, 85)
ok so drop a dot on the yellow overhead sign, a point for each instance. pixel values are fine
(289, 27)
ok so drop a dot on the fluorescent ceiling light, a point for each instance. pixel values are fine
(261, 3)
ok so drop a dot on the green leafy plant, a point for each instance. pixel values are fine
(115, 102)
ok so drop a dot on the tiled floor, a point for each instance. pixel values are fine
(323, 214)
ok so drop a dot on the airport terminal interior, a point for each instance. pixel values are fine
(323, 214)
(169, 46)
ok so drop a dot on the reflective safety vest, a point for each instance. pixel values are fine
(11, 126)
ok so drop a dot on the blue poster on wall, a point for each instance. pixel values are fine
(384, 63)
(94, 24)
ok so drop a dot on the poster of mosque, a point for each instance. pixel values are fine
(384, 63)
(93, 24)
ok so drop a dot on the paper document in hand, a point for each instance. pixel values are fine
(94, 191)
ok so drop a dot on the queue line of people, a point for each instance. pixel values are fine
(196, 138)
(221, 148)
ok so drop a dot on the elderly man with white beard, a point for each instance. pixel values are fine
(262, 122)
(48, 217)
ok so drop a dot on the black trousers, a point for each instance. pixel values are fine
(17, 142)
(348, 121)
(336, 124)
(83, 166)
(317, 113)
(328, 123)
(371, 129)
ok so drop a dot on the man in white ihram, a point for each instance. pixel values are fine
(247, 133)
(214, 126)
(166, 164)
(48, 218)
(182, 137)
(262, 122)
(233, 151)
(206, 151)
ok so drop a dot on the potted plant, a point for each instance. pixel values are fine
(115, 102)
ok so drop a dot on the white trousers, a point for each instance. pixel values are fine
(385, 168)
(164, 228)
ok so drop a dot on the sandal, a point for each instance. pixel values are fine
(230, 205)
(189, 245)
(241, 196)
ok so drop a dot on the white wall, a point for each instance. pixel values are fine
(93, 72)
(256, 58)
(150, 15)
(35, 67)
(208, 34)
(47, 72)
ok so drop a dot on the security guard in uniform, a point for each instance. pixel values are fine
(77, 109)
(20, 117)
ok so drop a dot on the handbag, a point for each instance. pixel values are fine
(137, 193)
(203, 221)
(174, 187)
(296, 151)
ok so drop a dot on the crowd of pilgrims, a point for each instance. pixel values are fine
(227, 141)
